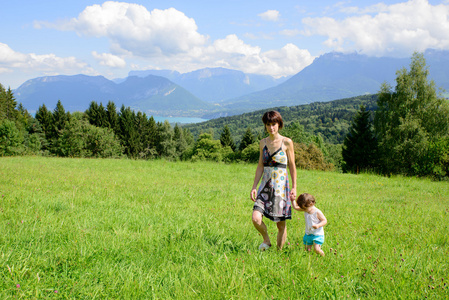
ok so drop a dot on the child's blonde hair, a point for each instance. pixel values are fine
(305, 200)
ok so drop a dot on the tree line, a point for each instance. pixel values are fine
(397, 131)
(108, 132)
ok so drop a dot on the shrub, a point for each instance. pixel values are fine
(310, 158)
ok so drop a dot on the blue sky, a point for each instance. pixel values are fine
(277, 38)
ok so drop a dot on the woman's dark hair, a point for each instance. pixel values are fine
(273, 117)
(305, 200)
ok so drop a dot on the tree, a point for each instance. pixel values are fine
(112, 116)
(7, 104)
(45, 119)
(409, 120)
(226, 138)
(180, 141)
(35, 137)
(360, 145)
(60, 119)
(127, 131)
(11, 139)
(82, 139)
(247, 139)
(166, 145)
(206, 148)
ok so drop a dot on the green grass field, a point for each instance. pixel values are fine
(126, 229)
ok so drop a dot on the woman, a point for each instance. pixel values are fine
(273, 199)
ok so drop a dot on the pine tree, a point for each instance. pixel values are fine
(45, 119)
(360, 145)
(248, 139)
(2, 103)
(112, 116)
(7, 104)
(226, 138)
(142, 133)
(128, 133)
(92, 114)
(60, 120)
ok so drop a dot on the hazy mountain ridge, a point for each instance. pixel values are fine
(152, 94)
(331, 76)
(216, 84)
(335, 76)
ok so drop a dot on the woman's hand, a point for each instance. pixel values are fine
(293, 195)
(253, 195)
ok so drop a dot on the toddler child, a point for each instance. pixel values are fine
(315, 220)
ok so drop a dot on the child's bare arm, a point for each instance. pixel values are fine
(296, 206)
(322, 218)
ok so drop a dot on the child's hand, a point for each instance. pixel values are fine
(315, 226)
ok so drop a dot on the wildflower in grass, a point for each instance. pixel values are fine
(18, 286)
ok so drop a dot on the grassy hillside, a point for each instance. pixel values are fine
(330, 119)
(125, 229)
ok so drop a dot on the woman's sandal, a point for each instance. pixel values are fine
(264, 247)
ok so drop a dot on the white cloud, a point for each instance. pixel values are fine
(11, 60)
(290, 32)
(168, 39)
(270, 15)
(398, 29)
(233, 53)
(110, 60)
(132, 29)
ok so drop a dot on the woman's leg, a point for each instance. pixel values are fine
(260, 226)
(282, 234)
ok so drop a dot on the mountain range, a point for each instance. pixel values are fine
(216, 84)
(215, 92)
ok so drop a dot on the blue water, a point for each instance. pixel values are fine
(181, 120)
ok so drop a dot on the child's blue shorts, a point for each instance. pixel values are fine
(309, 239)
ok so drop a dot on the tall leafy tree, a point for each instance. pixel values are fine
(166, 145)
(180, 141)
(360, 144)
(247, 139)
(409, 119)
(226, 138)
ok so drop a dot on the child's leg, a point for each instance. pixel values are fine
(317, 249)
(308, 248)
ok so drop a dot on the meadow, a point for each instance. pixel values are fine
(129, 229)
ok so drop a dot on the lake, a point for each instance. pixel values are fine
(181, 120)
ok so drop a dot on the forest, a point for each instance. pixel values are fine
(400, 130)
